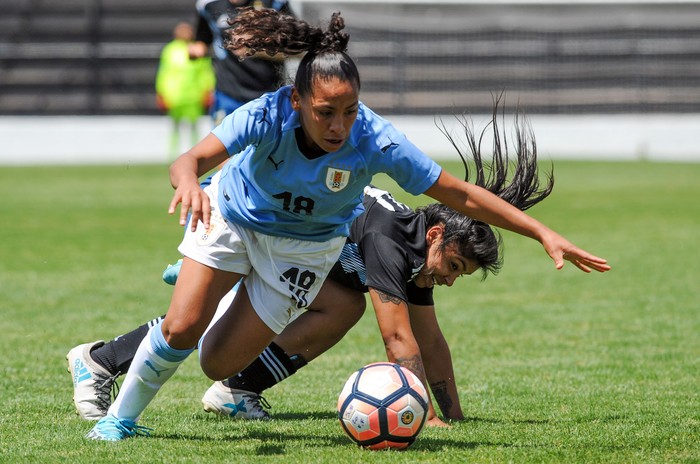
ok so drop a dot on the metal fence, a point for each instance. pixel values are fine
(99, 57)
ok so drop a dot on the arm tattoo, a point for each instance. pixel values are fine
(441, 396)
(386, 298)
(414, 364)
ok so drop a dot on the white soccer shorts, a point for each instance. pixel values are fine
(284, 275)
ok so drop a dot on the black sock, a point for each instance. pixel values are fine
(271, 367)
(116, 355)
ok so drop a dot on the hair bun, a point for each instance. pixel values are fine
(334, 39)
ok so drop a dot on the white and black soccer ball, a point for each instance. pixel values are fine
(383, 405)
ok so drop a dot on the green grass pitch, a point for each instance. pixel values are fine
(552, 366)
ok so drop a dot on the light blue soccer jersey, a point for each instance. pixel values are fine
(270, 186)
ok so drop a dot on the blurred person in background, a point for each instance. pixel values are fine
(184, 86)
(237, 81)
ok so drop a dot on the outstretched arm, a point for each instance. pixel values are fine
(436, 359)
(482, 205)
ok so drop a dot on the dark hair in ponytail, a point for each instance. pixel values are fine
(269, 31)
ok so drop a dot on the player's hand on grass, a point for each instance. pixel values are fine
(193, 200)
(436, 422)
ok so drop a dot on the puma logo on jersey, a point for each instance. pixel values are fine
(385, 148)
(264, 117)
(277, 165)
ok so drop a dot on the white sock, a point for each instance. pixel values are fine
(153, 364)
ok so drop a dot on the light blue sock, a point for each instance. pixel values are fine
(154, 363)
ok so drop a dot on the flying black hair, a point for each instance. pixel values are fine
(515, 181)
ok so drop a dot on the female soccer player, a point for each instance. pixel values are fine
(279, 211)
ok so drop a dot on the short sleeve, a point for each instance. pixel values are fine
(412, 169)
(395, 155)
(385, 262)
(419, 296)
(240, 129)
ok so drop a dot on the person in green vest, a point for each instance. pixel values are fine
(184, 86)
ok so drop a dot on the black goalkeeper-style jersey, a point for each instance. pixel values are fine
(385, 250)
(242, 80)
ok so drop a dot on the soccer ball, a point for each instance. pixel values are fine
(383, 405)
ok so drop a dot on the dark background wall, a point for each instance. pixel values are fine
(99, 57)
(83, 57)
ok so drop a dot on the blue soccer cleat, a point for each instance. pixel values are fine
(109, 428)
(171, 272)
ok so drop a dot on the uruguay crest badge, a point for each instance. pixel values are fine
(337, 179)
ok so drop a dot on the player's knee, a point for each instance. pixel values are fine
(357, 304)
(215, 368)
(180, 335)
(213, 372)
(348, 305)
